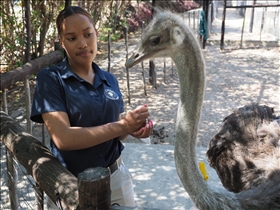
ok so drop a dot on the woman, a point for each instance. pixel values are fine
(81, 106)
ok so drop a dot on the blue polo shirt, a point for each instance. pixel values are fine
(58, 88)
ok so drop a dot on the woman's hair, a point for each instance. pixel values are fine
(69, 11)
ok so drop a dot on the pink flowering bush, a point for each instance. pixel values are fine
(137, 16)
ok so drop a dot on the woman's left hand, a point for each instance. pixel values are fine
(145, 131)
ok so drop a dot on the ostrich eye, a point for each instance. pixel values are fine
(155, 40)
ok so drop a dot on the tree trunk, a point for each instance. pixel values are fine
(43, 29)
(115, 17)
(28, 31)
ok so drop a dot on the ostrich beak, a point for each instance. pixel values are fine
(134, 59)
(137, 58)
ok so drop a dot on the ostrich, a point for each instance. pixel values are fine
(246, 150)
(168, 36)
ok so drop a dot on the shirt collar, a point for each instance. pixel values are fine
(66, 72)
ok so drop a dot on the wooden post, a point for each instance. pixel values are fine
(109, 51)
(152, 75)
(164, 71)
(252, 17)
(4, 99)
(39, 197)
(12, 180)
(142, 66)
(212, 13)
(127, 70)
(243, 28)
(27, 105)
(43, 134)
(172, 69)
(194, 21)
(94, 189)
(263, 15)
(143, 79)
(223, 26)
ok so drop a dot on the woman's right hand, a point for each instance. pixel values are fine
(136, 119)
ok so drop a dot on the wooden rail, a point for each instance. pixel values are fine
(253, 6)
(20, 73)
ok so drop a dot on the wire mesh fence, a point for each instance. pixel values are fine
(25, 194)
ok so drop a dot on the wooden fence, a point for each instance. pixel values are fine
(225, 6)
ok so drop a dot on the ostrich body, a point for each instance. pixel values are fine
(168, 36)
(246, 150)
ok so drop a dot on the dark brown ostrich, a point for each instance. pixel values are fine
(246, 150)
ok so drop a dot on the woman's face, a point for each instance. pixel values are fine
(78, 38)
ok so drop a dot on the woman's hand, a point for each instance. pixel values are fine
(145, 131)
(136, 119)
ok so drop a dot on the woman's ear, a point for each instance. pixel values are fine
(96, 32)
(61, 43)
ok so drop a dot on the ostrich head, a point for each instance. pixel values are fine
(162, 38)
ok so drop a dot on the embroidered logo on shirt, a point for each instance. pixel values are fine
(111, 94)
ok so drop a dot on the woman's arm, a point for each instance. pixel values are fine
(66, 137)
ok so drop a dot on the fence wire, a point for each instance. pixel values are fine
(25, 185)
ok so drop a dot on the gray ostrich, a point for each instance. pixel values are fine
(168, 36)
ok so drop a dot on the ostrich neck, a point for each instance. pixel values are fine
(190, 65)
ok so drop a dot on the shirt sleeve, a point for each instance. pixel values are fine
(48, 95)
